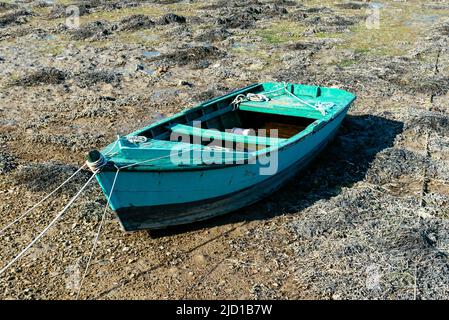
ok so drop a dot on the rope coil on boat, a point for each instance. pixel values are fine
(323, 106)
(237, 100)
(258, 97)
(137, 139)
(95, 161)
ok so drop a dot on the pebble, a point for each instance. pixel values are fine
(200, 259)
(185, 83)
(161, 70)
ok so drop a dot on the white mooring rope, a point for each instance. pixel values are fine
(98, 234)
(37, 204)
(47, 227)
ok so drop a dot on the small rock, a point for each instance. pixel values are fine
(185, 83)
(161, 70)
(199, 259)
(422, 213)
(430, 238)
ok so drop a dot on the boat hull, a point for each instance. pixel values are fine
(156, 200)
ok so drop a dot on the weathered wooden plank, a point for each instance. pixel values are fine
(225, 136)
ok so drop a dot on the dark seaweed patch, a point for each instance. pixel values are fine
(90, 78)
(60, 11)
(47, 176)
(214, 35)
(42, 76)
(95, 30)
(17, 17)
(171, 18)
(190, 55)
(429, 121)
(435, 85)
(247, 17)
(7, 162)
(353, 5)
(136, 22)
(393, 163)
(5, 6)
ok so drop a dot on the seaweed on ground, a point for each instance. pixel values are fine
(213, 35)
(5, 6)
(7, 162)
(247, 17)
(46, 75)
(170, 18)
(15, 17)
(136, 22)
(189, 55)
(47, 176)
(394, 163)
(433, 86)
(421, 122)
(95, 30)
(77, 143)
(353, 5)
(370, 244)
(89, 78)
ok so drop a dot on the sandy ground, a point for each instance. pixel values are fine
(369, 219)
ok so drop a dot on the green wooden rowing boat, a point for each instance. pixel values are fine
(222, 155)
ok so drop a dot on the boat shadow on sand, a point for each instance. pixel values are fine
(343, 163)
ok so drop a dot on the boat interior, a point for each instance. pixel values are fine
(252, 125)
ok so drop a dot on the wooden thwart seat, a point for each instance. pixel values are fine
(224, 136)
(279, 108)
